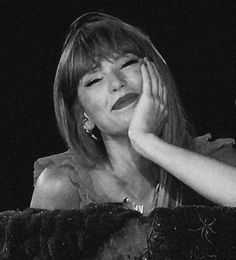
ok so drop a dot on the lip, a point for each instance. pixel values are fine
(125, 101)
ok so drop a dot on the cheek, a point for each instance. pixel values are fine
(135, 79)
(92, 101)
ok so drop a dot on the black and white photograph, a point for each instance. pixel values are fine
(118, 130)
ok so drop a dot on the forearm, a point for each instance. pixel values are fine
(211, 178)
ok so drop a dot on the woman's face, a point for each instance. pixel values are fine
(109, 93)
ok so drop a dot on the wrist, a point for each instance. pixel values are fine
(141, 141)
(134, 136)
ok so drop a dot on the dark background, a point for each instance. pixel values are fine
(196, 38)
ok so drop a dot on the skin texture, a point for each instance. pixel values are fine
(150, 113)
(128, 174)
(213, 179)
(116, 77)
(135, 152)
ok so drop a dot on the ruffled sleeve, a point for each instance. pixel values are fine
(81, 178)
(221, 149)
(57, 160)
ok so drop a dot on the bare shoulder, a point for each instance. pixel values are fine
(55, 189)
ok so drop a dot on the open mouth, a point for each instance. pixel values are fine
(125, 101)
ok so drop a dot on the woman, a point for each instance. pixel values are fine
(119, 112)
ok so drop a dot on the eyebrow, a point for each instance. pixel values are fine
(93, 70)
(96, 68)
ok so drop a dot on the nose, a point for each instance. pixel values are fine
(117, 81)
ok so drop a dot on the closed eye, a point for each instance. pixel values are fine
(90, 83)
(130, 62)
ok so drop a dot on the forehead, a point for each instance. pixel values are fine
(100, 62)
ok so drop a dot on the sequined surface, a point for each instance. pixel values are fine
(111, 231)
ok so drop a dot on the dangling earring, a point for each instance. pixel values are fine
(88, 131)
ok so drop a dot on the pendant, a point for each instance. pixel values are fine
(131, 205)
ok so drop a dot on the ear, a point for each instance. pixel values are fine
(88, 123)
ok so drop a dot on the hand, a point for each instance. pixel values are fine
(150, 113)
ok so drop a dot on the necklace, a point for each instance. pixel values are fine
(131, 205)
(130, 200)
(128, 203)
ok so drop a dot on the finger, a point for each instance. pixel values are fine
(146, 80)
(162, 91)
(160, 86)
(165, 95)
(153, 78)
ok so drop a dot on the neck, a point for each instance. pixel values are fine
(129, 166)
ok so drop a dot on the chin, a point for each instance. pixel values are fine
(117, 124)
(120, 130)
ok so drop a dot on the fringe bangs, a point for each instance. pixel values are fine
(91, 45)
(83, 50)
